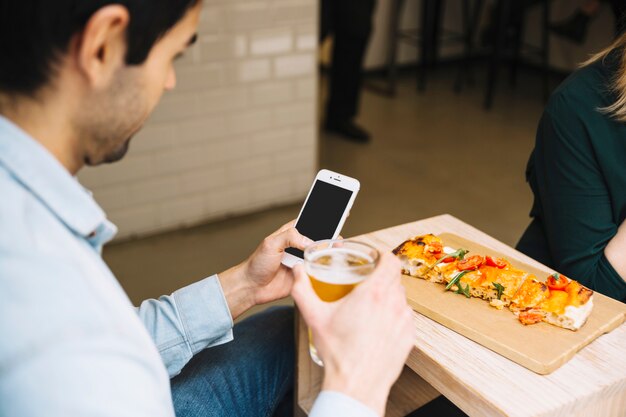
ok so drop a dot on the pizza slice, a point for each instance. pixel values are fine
(425, 257)
(486, 277)
(559, 301)
(501, 283)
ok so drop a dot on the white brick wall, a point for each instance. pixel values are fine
(239, 132)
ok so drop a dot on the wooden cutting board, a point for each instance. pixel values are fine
(541, 348)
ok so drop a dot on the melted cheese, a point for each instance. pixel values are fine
(578, 294)
(531, 293)
(473, 278)
(449, 271)
(413, 249)
(556, 302)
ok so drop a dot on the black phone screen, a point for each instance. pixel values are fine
(322, 213)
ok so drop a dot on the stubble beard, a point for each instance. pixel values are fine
(111, 118)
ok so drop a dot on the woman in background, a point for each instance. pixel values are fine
(577, 173)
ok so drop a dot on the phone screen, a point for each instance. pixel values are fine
(322, 213)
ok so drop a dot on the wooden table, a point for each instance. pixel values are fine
(479, 381)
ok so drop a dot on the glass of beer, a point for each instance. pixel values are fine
(335, 267)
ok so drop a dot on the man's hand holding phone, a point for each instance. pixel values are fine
(262, 278)
(266, 275)
(364, 338)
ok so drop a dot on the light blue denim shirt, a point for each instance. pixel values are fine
(71, 343)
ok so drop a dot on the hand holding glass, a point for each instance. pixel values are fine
(335, 267)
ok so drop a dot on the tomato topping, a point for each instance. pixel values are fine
(470, 263)
(530, 317)
(495, 262)
(447, 260)
(557, 282)
(435, 247)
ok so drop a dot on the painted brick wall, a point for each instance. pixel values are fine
(237, 134)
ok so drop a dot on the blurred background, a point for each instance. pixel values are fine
(450, 96)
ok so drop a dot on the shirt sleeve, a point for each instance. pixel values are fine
(332, 403)
(184, 323)
(575, 201)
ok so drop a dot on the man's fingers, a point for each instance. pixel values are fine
(284, 227)
(303, 294)
(385, 283)
(409, 330)
(289, 238)
(388, 270)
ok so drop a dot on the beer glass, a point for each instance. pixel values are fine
(335, 267)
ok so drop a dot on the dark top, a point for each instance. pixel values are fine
(577, 173)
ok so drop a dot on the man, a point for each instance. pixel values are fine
(77, 79)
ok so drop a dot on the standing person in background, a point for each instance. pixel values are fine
(575, 27)
(78, 78)
(350, 23)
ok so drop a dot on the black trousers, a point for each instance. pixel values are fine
(619, 10)
(350, 22)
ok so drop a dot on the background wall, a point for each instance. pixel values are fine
(564, 55)
(237, 134)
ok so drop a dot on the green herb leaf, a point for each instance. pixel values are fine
(500, 288)
(456, 279)
(458, 254)
(465, 291)
(556, 276)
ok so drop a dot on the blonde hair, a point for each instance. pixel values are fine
(617, 84)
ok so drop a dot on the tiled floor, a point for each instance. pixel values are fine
(433, 152)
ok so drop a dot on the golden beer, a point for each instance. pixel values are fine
(327, 291)
(334, 272)
(335, 268)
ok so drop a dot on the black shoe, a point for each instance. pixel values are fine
(348, 130)
(441, 407)
(574, 28)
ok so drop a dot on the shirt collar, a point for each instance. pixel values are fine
(43, 175)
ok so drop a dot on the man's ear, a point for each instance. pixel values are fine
(101, 47)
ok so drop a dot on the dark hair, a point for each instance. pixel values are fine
(34, 33)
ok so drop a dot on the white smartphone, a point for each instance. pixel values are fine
(324, 211)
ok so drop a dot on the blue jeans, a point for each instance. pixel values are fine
(249, 376)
